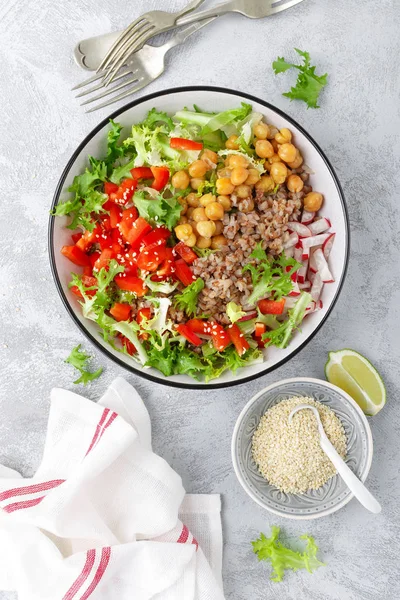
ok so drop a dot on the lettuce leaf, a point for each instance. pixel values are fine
(157, 209)
(210, 122)
(280, 336)
(187, 300)
(234, 312)
(79, 359)
(282, 558)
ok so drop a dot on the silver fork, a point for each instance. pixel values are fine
(146, 65)
(137, 33)
(146, 26)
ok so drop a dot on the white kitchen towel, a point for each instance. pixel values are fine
(99, 519)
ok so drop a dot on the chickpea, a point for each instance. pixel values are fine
(231, 143)
(264, 149)
(192, 199)
(214, 211)
(246, 205)
(183, 232)
(224, 173)
(206, 228)
(189, 212)
(180, 180)
(275, 145)
(243, 191)
(196, 182)
(219, 226)
(183, 203)
(298, 161)
(218, 241)
(198, 168)
(203, 242)
(261, 131)
(191, 240)
(224, 186)
(207, 199)
(287, 152)
(210, 155)
(237, 160)
(225, 201)
(284, 136)
(266, 184)
(239, 175)
(294, 183)
(272, 132)
(182, 220)
(313, 201)
(279, 172)
(253, 177)
(199, 214)
(194, 227)
(274, 159)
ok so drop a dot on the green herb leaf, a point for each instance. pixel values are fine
(309, 85)
(122, 171)
(234, 312)
(162, 356)
(114, 149)
(203, 251)
(158, 210)
(187, 300)
(282, 558)
(156, 118)
(281, 335)
(79, 359)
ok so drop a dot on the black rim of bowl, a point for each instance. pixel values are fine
(137, 370)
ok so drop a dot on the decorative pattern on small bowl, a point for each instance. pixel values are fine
(334, 494)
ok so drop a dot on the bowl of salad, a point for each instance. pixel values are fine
(199, 237)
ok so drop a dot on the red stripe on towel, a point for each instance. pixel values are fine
(184, 535)
(105, 559)
(196, 543)
(98, 431)
(109, 422)
(25, 504)
(31, 489)
(79, 581)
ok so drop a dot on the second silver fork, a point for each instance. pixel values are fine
(144, 67)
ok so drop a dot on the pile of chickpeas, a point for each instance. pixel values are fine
(201, 222)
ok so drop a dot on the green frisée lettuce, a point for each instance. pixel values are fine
(234, 312)
(281, 335)
(282, 558)
(79, 359)
(187, 299)
(270, 277)
(156, 209)
(210, 122)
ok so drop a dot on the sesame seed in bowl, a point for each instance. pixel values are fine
(281, 466)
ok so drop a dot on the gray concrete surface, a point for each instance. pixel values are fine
(358, 126)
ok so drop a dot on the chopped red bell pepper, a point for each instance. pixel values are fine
(143, 314)
(102, 262)
(200, 326)
(159, 234)
(110, 188)
(125, 191)
(130, 283)
(142, 173)
(220, 337)
(88, 270)
(75, 255)
(115, 215)
(271, 307)
(183, 272)
(167, 267)
(238, 339)
(139, 229)
(93, 257)
(128, 217)
(121, 311)
(161, 177)
(185, 144)
(89, 281)
(88, 238)
(129, 347)
(186, 253)
(189, 335)
(76, 237)
(76, 291)
(259, 329)
(151, 257)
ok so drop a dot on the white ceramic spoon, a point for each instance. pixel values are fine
(359, 490)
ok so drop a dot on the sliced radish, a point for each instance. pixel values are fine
(305, 286)
(327, 245)
(292, 240)
(311, 307)
(316, 287)
(307, 217)
(289, 252)
(295, 289)
(248, 317)
(289, 302)
(298, 252)
(322, 266)
(293, 276)
(319, 226)
(315, 240)
(302, 272)
(311, 275)
(299, 228)
(320, 305)
(313, 265)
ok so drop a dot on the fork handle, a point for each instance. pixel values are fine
(190, 7)
(181, 36)
(214, 11)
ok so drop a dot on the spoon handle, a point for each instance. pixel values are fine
(356, 486)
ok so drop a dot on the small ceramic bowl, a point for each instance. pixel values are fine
(314, 503)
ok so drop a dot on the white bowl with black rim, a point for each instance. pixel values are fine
(210, 99)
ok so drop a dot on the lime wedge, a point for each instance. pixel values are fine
(354, 374)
